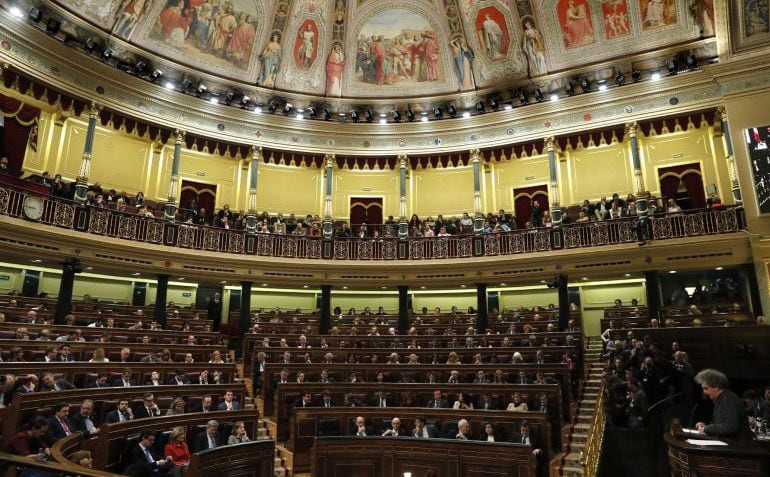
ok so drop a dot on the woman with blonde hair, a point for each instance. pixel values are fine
(177, 407)
(99, 356)
(82, 458)
(239, 434)
(177, 447)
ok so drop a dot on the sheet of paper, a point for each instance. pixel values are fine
(704, 442)
(689, 431)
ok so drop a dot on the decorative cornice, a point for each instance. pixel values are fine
(41, 56)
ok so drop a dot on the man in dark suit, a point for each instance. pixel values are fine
(142, 455)
(49, 383)
(526, 437)
(51, 355)
(327, 401)
(206, 405)
(488, 403)
(729, 418)
(99, 382)
(210, 438)
(147, 408)
(59, 425)
(305, 401)
(85, 421)
(381, 400)
(360, 429)
(228, 403)
(179, 379)
(424, 430)
(122, 413)
(256, 372)
(215, 312)
(395, 429)
(124, 381)
(438, 402)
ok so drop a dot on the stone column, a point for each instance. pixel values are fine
(328, 221)
(403, 224)
(482, 318)
(70, 267)
(173, 185)
(478, 214)
(641, 193)
(325, 323)
(161, 298)
(563, 293)
(81, 183)
(728, 142)
(553, 193)
(403, 309)
(245, 310)
(251, 215)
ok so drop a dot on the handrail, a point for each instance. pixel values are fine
(665, 399)
(56, 468)
(593, 449)
(106, 222)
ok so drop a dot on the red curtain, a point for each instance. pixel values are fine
(20, 120)
(689, 175)
(522, 202)
(205, 195)
(365, 210)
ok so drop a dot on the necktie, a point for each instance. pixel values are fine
(65, 427)
(435, 404)
(149, 412)
(89, 425)
(121, 416)
(149, 456)
(382, 403)
(212, 444)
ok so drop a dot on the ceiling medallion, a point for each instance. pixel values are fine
(437, 141)
(587, 117)
(629, 109)
(6, 45)
(402, 143)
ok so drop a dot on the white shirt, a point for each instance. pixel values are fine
(490, 438)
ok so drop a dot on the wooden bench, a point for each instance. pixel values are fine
(83, 351)
(313, 423)
(108, 449)
(680, 320)
(25, 405)
(255, 458)
(390, 457)
(119, 335)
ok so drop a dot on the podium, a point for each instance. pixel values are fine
(749, 459)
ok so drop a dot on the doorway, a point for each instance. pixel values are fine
(684, 184)
(522, 202)
(365, 211)
(204, 195)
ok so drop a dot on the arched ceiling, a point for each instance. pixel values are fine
(374, 49)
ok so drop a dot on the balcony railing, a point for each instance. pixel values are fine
(106, 222)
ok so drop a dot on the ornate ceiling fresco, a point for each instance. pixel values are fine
(384, 49)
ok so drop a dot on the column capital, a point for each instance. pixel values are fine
(722, 113)
(402, 160)
(330, 158)
(632, 129)
(256, 153)
(3, 67)
(475, 155)
(179, 136)
(94, 109)
(550, 143)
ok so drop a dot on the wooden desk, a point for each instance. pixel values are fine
(391, 457)
(250, 459)
(744, 460)
(83, 351)
(306, 425)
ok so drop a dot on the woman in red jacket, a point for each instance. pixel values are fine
(177, 447)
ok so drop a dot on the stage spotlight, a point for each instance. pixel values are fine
(480, 107)
(287, 109)
(636, 76)
(692, 62)
(603, 85)
(53, 26)
(494, 104)
(569, 88)
(156, 75)
(655, 75)
(186, 85)
(508, 105)
(424, 117)
(368, 116)
(245, 100)
(201, 90)
(140, 67)
(409, 114)
(273, 106)
(326, 114)
(523, 97)
(452, 111)
(169, 86)
(258, 108)
(538, 93)
(311, 112)
(620, 79)
(466, 114)
(437, 113)
(585, 85)
(16, 12)
(89, 45)
(35, 15)
(229, 98)
(213, 98)
(396, 116)
(107, 54)
(383, 118)
(354, 116)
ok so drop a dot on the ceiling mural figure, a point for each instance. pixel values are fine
(335, 61)
(462, 55)
(658, 13)
(533, 45)
(749, 23)
(307, 27)
(576, 23)
(398, 48)
(101, 12)
(272, 54)
(497, 36)
(615, 19)
(703, 12)
(129, 15)
(219, 36)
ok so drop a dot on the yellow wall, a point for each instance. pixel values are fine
(593, 172)
(359, 301)
(283, 299)
(176, 293)
(444, 299)
(355, 183)
(15, 279)
(225, 173)
(288, 190)
(596, 296)
(513, 297)
(516, 173)
(442, 191)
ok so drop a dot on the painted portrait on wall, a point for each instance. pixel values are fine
(492, 33)
(615, 19)
(335, 64)
(533, 45)
(397, 47)
(306, 44)
(576, 24)
(657, 13)
(128, 16)
(749, 24)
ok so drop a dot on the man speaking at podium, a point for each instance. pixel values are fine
(730, 419)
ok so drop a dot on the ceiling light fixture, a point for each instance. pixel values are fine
(354, 116)
(409, 114)
(480, 107)
(585, 85)
(569, 88)
(16, 12)
(245, 100)
(437, 113)
(655, 75)
(523, 97)
(35, 15)
(201, 89)
(554, 97)
(396, 116)
(170, 86)
(327, 115)
(466, 114)
(368, 115)
(538, 93)
(287, 109)
(452, 111)
(636, 76)
(620, 79)
(603, 85)
(311, 113)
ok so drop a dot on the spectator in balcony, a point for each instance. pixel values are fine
(547, 221)
(138, 200)
(536, 217)
(672, 207)
(5, 169)
(143, 211)
(414, 222)
(602, 208)
(443, 232)
(636, 405)
(615, 211)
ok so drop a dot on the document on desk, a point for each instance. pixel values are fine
(690, 431)
(705, 442)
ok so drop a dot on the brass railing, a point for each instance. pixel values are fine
(593, 449)
(109, 222)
